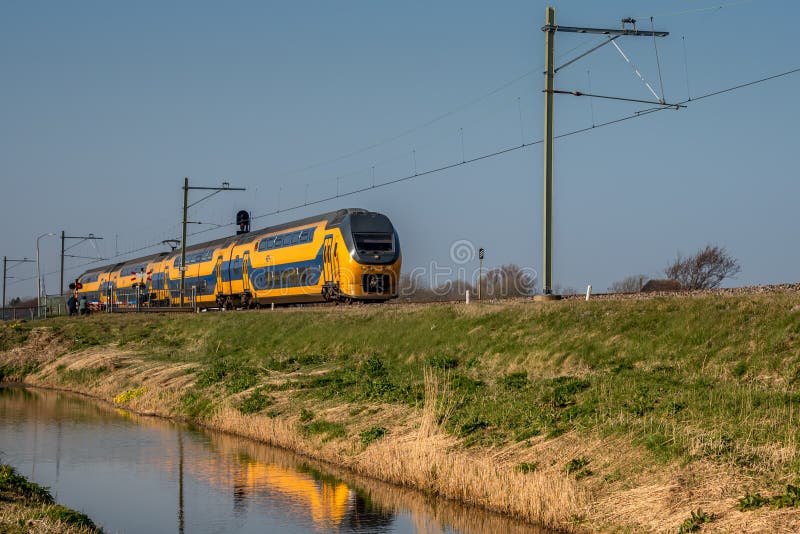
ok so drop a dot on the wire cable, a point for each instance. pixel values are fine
(717, 7)
(425, 124)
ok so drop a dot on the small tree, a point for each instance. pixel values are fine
(704, 270)
(509, 281)
(629, 284)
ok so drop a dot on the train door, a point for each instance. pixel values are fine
(219, 288)
(162, 293)
(245, 273)
(225, 269)
(330, 268)
(327, 263)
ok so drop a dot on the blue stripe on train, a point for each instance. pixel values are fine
(281, 276)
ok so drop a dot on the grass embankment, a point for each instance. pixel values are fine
(598, 415)
(28, 507)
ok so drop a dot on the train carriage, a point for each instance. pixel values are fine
(345, 255)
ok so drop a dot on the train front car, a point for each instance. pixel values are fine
(343, 256)
(369, 267)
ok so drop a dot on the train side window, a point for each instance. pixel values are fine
(295, 239)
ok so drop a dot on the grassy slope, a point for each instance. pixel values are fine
(701, 385)
(28, 507)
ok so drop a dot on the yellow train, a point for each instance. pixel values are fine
(345, 255)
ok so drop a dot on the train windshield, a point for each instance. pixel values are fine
(367, 243)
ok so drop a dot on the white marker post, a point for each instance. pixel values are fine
(588, 292)
(467, 296)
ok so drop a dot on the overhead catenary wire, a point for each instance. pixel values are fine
(427, 123)
(622, 98)
(743, 85)
(716, 7)
(521, 146)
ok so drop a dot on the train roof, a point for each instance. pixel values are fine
(332, 218)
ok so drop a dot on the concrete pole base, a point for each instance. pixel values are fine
(546, 298)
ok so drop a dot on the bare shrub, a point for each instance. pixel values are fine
(509, 281)
(629, 284)
(706, 269)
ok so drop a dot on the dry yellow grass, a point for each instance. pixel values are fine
(19, 518)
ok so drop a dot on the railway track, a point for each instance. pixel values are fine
(401, 302)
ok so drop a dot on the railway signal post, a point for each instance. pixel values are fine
(550, 28)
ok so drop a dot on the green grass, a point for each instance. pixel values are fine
(712, 378)
(195, 405)
(17, 372)
(328, 429)
(70, 517)
(527, 467)
(789, 498)
(695, 521)
(14, 333)
(577, 468)
(374, 433)
(255, 402)
(17, 489)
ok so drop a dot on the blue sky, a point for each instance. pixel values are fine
(105, 107)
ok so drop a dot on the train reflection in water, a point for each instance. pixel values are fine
(113, 465)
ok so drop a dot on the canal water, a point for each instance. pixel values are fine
(134, 474)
